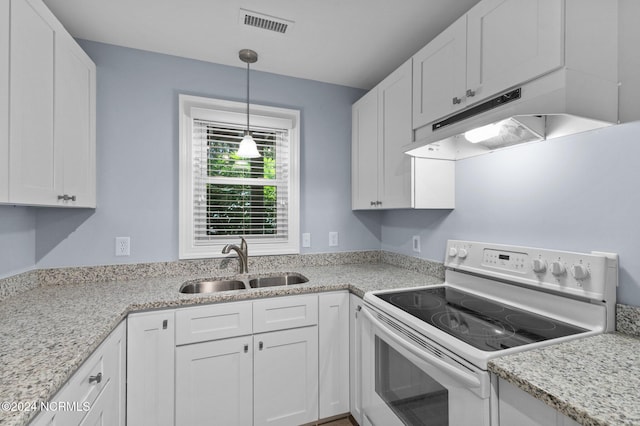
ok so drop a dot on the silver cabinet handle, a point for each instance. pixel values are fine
(373, 203)
(66, 197)
(260, 346)
(165, 324)
(471, 93)
(97, 378)
(246, 348)
(456, 100)
(378, 203)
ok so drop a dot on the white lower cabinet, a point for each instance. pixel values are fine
(286, 377)
(95, 394)
(355, 350)
(254, 363)
(150, 368)
(516, 407)
(333, 336)
(214, 382)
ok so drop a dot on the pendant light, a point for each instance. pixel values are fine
(248, 148)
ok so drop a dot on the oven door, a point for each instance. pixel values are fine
(407, 380)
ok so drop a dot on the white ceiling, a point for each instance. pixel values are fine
(354, 43)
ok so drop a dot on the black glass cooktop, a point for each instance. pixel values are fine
(480, 322)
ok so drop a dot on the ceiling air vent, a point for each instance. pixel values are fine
(265, 22)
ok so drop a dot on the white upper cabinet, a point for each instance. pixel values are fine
(394, 128)
(49, 147)
(382, 175)
(74, 118)
(364, 152)
(31, 149)
(440, 75)
(498, 44)
(510, 42)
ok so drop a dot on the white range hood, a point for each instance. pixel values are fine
(558, 104)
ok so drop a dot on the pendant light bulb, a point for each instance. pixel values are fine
(248, 147)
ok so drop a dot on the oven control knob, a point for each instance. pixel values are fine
(453, 252)
(462, 253)
(557, 268)
(579, 271)
(539, 265)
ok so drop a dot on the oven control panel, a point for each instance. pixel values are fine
(508, 260)
(586, 275)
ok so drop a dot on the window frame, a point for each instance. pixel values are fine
(233, 112)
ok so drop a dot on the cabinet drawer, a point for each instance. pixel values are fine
(212, 322)
(99, 373)
(285, 312)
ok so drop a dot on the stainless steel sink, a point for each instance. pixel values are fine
(277, 280)
(240, 283)
(212, 286)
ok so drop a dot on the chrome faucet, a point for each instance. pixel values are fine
(243, 255)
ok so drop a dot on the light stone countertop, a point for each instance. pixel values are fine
(49, 331)
(594, 381)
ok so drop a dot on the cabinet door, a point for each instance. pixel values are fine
(510, 42)
(439, 75)
(74, 118)
(516, 407)
(394, 127)
(333, 338)
(4, 99)
(355, 348)
(31, 143)
(104, 411)
(286, 377)
(150, 368)
(214, 382)
(364, 152)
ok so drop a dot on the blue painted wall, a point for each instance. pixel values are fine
(17, 240)
(578, 193)
(137, 154)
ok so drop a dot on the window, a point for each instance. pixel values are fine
(224, 197)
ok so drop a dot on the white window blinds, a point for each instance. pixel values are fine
(223, 197)
(239, 196)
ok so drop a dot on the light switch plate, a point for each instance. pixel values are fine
(306, 239)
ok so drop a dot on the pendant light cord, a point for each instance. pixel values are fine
(248, 98)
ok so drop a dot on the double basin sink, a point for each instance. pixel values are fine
(267, 280)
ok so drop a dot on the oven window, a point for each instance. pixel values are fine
(414, 396)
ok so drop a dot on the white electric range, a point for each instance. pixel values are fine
(426, 349)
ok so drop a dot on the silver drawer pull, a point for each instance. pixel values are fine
(471, 93)
(456, 100)
(246, 348)
(97, 378)
(260, 346)
(66, 197)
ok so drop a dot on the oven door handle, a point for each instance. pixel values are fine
(468, 379)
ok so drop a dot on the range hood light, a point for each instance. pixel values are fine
(483, 133)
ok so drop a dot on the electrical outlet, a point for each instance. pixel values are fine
(333, 239)
(306, 239)
(416, 243)
(123, 246)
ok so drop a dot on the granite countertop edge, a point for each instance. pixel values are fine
(579, 378)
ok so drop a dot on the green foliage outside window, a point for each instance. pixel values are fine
(246, 209)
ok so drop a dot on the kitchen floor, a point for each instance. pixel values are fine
(340, 422)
